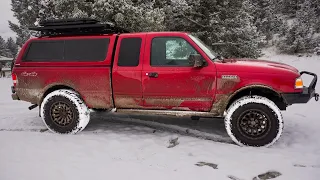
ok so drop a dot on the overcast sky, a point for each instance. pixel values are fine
(5, 15)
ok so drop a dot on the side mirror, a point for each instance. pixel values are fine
(196, 60)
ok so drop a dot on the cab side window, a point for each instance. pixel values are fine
(171, 51)
(129, 54)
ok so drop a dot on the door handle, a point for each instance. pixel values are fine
(152, 74)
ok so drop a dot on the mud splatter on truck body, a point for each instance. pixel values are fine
(90, 83)
(225, 89)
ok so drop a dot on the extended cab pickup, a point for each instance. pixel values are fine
(66, 72)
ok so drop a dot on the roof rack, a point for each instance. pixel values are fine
(70, 21)
(75, 26)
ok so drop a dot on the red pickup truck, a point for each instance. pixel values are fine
(81, 64)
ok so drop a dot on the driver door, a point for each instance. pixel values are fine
(170, 82)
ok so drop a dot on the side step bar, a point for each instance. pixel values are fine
(165, 112)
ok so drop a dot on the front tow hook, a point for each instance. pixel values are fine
(316, 96)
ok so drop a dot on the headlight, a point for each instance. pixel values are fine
(299, 83)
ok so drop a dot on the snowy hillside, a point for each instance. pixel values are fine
(122, 147)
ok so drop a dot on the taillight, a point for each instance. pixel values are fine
(14, 79)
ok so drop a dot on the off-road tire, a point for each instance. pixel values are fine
(264, 116)
(78, 113)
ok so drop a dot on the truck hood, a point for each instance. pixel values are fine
(260, 66)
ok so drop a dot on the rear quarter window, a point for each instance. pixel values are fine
(76, 50)
(86, 49)
(44, 51)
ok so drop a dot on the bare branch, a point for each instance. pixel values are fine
(224, 44)
(197, 14)
(193, 21)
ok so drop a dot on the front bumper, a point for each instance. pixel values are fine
(307, 93)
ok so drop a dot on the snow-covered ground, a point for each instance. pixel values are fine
(135, 147)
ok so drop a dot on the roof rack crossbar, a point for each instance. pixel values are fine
(70, 21)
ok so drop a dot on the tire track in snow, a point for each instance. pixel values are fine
(98, 124)
(24, 130)
(175, 129)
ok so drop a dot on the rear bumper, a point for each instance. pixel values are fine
(307, 93)
(14, 95)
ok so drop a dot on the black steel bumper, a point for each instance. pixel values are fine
(305, 95)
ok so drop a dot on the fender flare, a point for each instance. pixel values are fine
(219, 107)
(52, 87)
(253, 86)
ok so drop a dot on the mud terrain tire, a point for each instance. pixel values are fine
(64, 112)
(254, 121)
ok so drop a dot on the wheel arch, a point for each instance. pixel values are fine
(260, 90)
(53, 88)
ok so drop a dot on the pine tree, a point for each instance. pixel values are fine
(316, 6)
(71, 8)
(176, 12)
(27, 13)
(299, 37)
(3, 48)
(290, 7)
(12, 47)
(267, 17)
(241, 31)
(135, 17)
(227, 26)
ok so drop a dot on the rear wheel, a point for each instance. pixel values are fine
(64, 112)
(254, 121)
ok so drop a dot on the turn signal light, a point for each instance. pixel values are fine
(299, 83)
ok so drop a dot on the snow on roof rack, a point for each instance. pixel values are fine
(76, 26)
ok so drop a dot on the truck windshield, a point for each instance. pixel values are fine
(204, 47)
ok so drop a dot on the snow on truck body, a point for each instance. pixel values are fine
(170, 73)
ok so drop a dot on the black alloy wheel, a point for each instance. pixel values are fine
(61, 114)
(254, 124)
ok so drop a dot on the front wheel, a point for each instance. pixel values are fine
(254, 121)
(64, 112)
